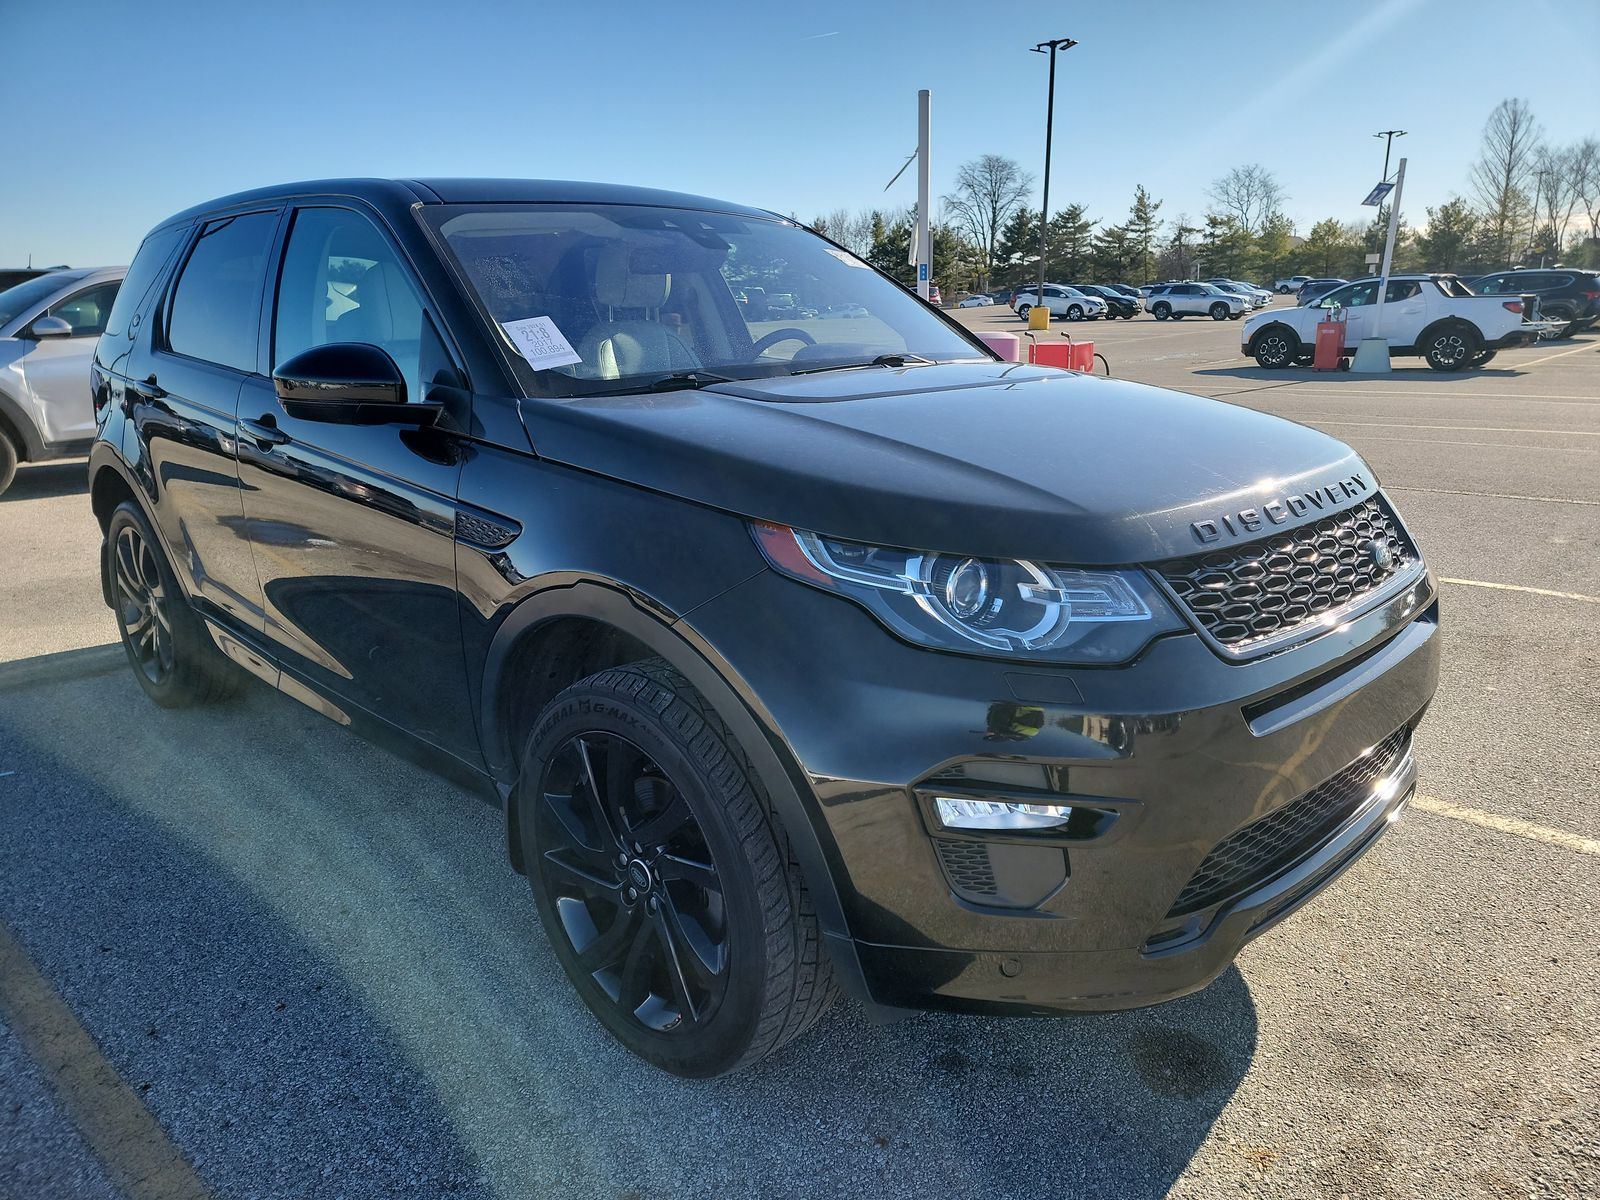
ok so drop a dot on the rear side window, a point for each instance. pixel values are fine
(216, 304)
(148, 267)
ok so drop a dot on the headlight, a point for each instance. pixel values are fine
(981, 605)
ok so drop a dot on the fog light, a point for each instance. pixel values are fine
(955, 813)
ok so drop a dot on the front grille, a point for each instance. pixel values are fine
(968, 868)
(1261, 591)
(1273, 843)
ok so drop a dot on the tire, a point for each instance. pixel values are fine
(1565, 330)
(1178, 316)
(1482, 358)
(1074, 312)
(172, 655)
(1161, 311)
(1283, 291)
(1219, 311)
(1451, 347)
(632, 786)
(1276, 347)
(8, 461)
(1233, 316)
(1023, 310)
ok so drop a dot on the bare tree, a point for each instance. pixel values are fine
(988, 191)
(1557, 191)
(1505, 160)
(1583, 167)
(1249, 195)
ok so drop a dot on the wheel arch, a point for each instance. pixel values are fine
(611, 620)
(1450, 322)
(1259, 333)
(15, 426)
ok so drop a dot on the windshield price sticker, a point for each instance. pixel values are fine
(539, 341)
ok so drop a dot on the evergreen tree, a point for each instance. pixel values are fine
(1017, 255)
(1069, 244)
(1447, 242)
(1141, 229)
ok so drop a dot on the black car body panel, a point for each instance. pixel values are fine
(415, 582)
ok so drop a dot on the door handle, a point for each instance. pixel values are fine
(265, 432)
(148, 389)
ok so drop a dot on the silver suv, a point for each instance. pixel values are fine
(48, 328)
(1179, 300)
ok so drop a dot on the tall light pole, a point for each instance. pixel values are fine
(1389, 135)
(1538, 190)
(1052, 47)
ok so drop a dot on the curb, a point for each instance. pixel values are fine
(64, 666)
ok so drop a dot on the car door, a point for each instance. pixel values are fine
(56, 369)
(353, 526)
(1356, 301)
(1405, 312)
(185, 378)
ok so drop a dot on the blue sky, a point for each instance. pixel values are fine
(120, 114)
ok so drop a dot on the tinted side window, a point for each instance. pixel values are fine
(342, 282)
(148, 266)
(1494, 285)
(1402, 289)
(215, 306)
(87, 311)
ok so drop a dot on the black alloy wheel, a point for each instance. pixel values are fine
(1452, 348)
(143, 605)
(664, 881)
(173, 657)
(628, 874)
(1276, 348)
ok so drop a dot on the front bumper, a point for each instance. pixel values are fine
(1175, 752)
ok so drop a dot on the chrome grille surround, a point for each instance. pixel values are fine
(1293, 584)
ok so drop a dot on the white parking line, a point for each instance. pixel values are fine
(1517, 587)
(1503, 824)
(1395, 487)
(1498, 445)
(1549, 357)
(1406, 392)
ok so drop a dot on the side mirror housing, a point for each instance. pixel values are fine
(348, 383)
(49, 327)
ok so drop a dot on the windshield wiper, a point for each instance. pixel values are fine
(677, 381)
(898, 359)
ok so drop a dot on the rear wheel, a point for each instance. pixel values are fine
(1219, 311)
(171, 654)
(1276, 348)
(663, 880)
(8, 461)
(1161, 311)
(1451, 347)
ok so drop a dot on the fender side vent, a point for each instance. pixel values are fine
(484, 531)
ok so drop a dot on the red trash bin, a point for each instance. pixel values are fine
(1329, 351)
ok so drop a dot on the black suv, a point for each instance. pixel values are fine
(799, 654)
(1566, 294)
(1118, 304)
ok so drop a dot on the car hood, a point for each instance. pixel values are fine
(989, 459)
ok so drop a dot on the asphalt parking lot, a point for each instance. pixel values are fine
(244, 954)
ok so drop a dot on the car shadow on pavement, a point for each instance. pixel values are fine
(314, 963)
(47, 480)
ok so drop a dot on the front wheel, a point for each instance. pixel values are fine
(1219, 311)
(663, 880)
(1451, 348)
(1161, 311)
(1023, 310)
(8, 461)
(1074, 312)
(171, 654)
(1276, 348)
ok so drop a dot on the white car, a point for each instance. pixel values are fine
(1436, 317)
(48, 328)
(1291, 285)
(1062, 301)
(1179, 300)
(1254, 296)
(975, 302)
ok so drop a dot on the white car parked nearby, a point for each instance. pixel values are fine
(1287, 287)
(1433, 316)
(1062, 301)
(975, 302)
(48, 328)
(1179, 300)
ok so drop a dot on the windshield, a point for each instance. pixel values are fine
(25, 296)
(600, 299)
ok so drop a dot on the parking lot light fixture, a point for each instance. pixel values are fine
(1052, 47)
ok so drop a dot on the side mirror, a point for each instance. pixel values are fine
(348, 383)
(49, 327)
